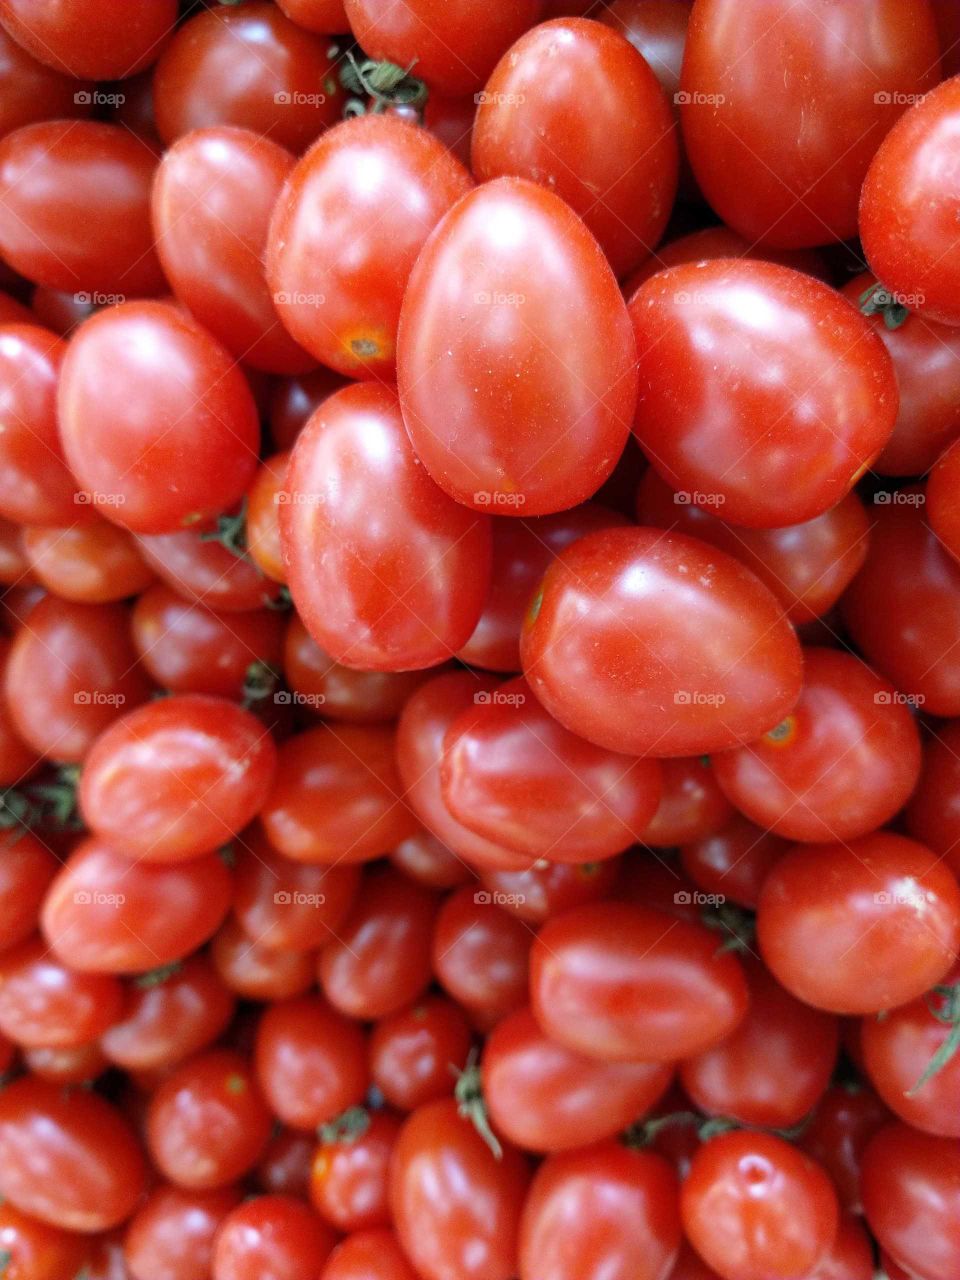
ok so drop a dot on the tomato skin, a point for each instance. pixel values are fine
(620, 983)
(256, 972)
(455, 1207)
(933, 814)
(602, 1211)
(774, 1067)
(692, 806)
(272, 1235)
(776, 165)
(543, 1097)
(843, 1123)
(842, 763)
(27, 867)
(716, 428)
(456, 43)
(326, 17)
(539, 892)
(293, 400)
(369, 1255)
(616, 165)
(67, 1158)
(31, 91)
(733, 861)
(348, 1180)
(481, 955)
(91, 39)
(36, 1251)
(250, 67)
(59, 176)
(943, 506)
(511, 323)
(910, 1197)
(404, 591)
(205, 572)
(285, 1166)
(212, 199)
(336, 265)
(755, 1207)
(171, 1235)
(908, 206)
(412, 1051)
(651, 678)
(106, 914)
(18, 760)
(91, 563)
(47, 1006)
(263, 517)
(860, 926)
(714, 242)
(311, 1061)
(177, 778)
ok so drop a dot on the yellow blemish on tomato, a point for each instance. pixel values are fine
(783, 734)
(321, 1167)
(363, 345)
(235, 1084)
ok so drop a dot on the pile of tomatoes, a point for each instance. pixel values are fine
(479, 640)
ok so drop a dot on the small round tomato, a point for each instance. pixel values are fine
(67, 1157)
(17, 759)
(105, 913)
(91, 563)
(456, 1207)
(272, 1236)
(176, 778)
(844, 1121)
(263, 517)
(58, 178)
(248, 66)
(337, 267)
(412, 1052)
(327, 17)
(199, 565)
(285, 1165)
(423, 858)
(600, 1211)
(753, 1206)
(30, 91)
(45, 1005)
(404, 590)
(293, 400)
(369, 1255)
(33, 1250)
(692, 806)
(481, 955)
(543, 890)
(734, 861)
(621, 983)
(908, 207)
(545, 1097)
(348, 1177)
(171, 1235)
(256, 972)
(91, 39)
(860, 926)
(712, 242)
(762, 452)
(676, 648)
(933, 814)
(515, 359)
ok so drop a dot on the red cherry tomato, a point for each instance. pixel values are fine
(412, 1052)
(27, 867)
(256, 972)
(692, 806)
(30, 91)
(205, 571)
(933, 814)
(272, 1235)
(92, 563)
(292, 400)
(33, 1250)
(546, 888)
(348, 1176)
(734, 861)
(45, 1005)
(369, 1255)
(324, 16)
(845, 1120)
(943, 503)
(92, 39)
(481, 955)
(263, 517)
(171, 1235)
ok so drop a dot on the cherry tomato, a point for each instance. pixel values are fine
(324, 16)
(199, 566)
(543, 890)
(105, 913)
(692, 806)
(27, 867)
(783, 111)
(80, 1065)
(602, 1211)
(293, 400)
(336, 264)
(311, 1061)
(348, 1177)
(943, 505)
(908, 207)
(91, 39)
(263, 517)
(92, 563)
(33, 1250)
(67, 1157)
(17, 759)
(14, 566)
(677, 647)
(45, 1005)
(423, 858)
(933, 814)
(256, 972)
(30, 91)
(369, 1255)
(620, 982)
(249, 66)
(285, 1166)
(860, 926)
(481, 955)
(212, 199)
(851, 1255)
(712, 242)
(176, 438)
(734, 861)
(402, 591)
(456, 1207)
(272, 1236)
(171, 1235)
(412, 1052)
(57, 177)
(845, 1120)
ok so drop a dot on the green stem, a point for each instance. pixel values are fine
(471, 1106)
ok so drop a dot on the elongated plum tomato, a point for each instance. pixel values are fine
(94, 39)
(655, 644)
(603, 1210)
(36, 1251)
(178, 777)
(763, 393)
(346, 232)
(512, 773)
(272, 1236)
(172, 1232)
(67, 1158)
(624, 983)
(754, 1207)
(516, 362)
(616, 164)
(910, 203)
(387, 572)
(860, 926)
(156, 420)
(212, 199)
(783, 109)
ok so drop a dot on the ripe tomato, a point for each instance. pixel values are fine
(455, 1206)
(453, 44)
(33, 1250)
(481, 955)
(908, 207)
(285, 1166)
(105, 913)
(845, 1120)
(212, 199)
(248, 66)
(256, 972)
(324, 16)
(263, 517)
(600, 1211)
(762, 452)
(714, 242)
(177, 439)
(369, 1255)
(860, 926)
(292, 400)
(92, 563)
(692, 806)
(45, 1005)
(543, 890)
(515, 360)
(621, 983)
(734, 861)
(545, 1097)
(57, 178)
(348, 1176)
(202, 569)
(943, 505)
(782, 111)
(67, 1157)
(400, 592)
(17, 759)
(30, 91)
(272, 1235)
(337, 265)
(933, 814)
(176, 778)
(91, 39)
(412, 1052)
(841, 764)
(677, 648)
(851, 1255)
(753, 1206)
(26, 868)
(616, 165)
(171, 1235)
